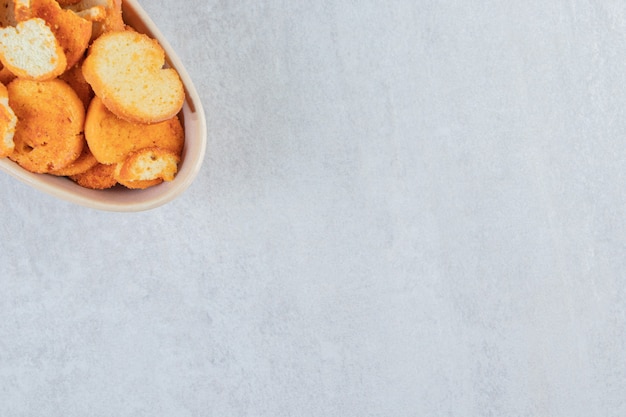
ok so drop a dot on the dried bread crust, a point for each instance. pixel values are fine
(67, 2)
(74, 77)
(111, 139)
(84, 162)
(72, 31)
(48, 135)
(149, 164)
(106, 15)
(30, 50)
(8, 121)
(126, 70)
(133, 183)
(99, 177)
(7, 13)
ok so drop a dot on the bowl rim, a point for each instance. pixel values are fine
(126, 200)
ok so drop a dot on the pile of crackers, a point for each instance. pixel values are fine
(85, 96)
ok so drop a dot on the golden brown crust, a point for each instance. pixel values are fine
(7, 13)
(8, 121)
(113, 22)
(31, 50)
(84, 162)
(126, 70)
(50, 121)
(111, 139)
(67, 2)
(72, 32)
(146, 168)
(6, 76)
(74, 77)
(7, 131)
(106, 15)
(100, 177)
(139, 184)
(149, 164)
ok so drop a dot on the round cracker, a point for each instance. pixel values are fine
(112, 139)
(84, 162)
(72, 31)
(48, 135)
(126, 70)
(100, 177)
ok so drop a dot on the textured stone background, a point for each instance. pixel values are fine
(407, 208)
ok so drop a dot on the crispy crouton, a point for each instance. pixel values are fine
(125, 69)
(106, 15)
(84, 162)
(100, 177)
(48, 135)
(134, 184)
(72, 31)
(111, 139)
(149, 164)
(8, 121)
(31, 51)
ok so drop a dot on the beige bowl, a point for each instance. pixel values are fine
(119, 198)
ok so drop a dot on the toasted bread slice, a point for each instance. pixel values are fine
(106, 15)
(31, 51)
(74, 77)
(149, 164)
(48, 135)
(134, 184)
(7, 13)
(100, 177)
(93, 14)
(8, 121)
(72, 31)
(111, 139)
(83, 163)
(126, 70)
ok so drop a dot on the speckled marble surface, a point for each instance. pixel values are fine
(407, 208)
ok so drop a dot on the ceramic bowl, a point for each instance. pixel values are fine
(121, 199)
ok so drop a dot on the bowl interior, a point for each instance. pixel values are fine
(120, 198)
